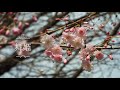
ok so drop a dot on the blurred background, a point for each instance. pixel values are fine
(40, 66)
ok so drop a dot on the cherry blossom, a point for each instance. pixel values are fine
(56, 50)
(77, 43)
(53, 50)
(47, 41)
(86, 52)
(110, 56)
(68, 37)
(99, 55)
(81, 31)
(57, 57)
(16, 31)
(7, 32)
(86, 65)
(48, 53)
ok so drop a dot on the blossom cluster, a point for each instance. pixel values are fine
(74, 37)
(87, 53)
(53, 50)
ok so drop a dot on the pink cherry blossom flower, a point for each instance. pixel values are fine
(64, 60)
(7, 32)
(83, 54)
(86, 53)
(57, 57)
(88, 58)
(81, 31)
(16, 31)
(67, 30)
(99, 55)
(56, 50)
(48, 53)
(110, 56)
(68, 37)
(72, 29)
(90, 48)
(86, 65)
(47, 41)
(77, 43)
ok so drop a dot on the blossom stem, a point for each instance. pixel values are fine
(108, 47)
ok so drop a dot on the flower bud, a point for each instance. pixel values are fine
(99, 55)
(16, 31)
